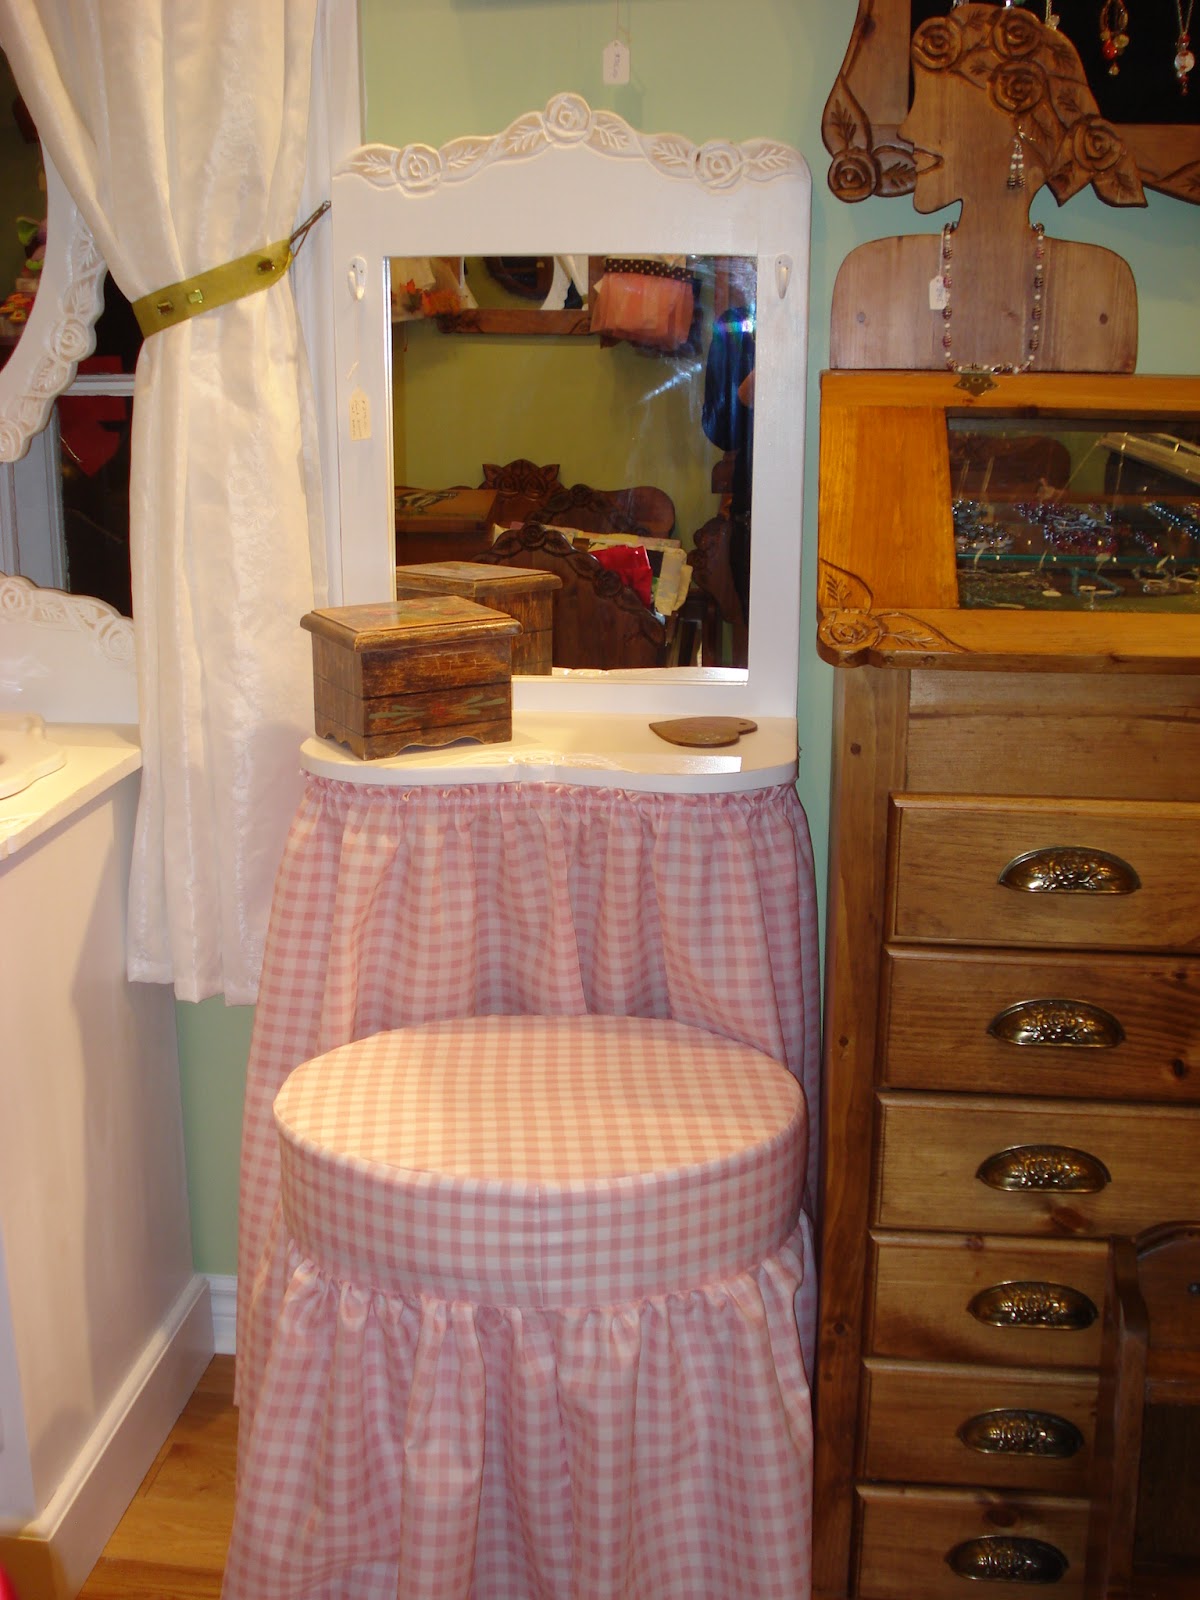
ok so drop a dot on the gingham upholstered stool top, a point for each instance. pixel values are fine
(541, 1161)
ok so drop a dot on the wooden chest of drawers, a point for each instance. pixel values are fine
(1012, 1070)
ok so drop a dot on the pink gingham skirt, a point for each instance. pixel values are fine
(536, 1330)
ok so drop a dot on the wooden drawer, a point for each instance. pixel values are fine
(1049, 732)
(940, 1004)
(908, 1534)
(923, 1286)
(996, 1427)
(1074, 1167)
(948, 855)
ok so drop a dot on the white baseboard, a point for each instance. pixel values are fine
(71, 1532)
(222, 1289)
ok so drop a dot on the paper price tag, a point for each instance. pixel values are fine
(937, 293)
(616, 62)
(360, 415)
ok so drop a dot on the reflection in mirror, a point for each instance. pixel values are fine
(546, 294)
(95, 424)
(629, 441)
(1072, 514)
(618, 444)
(22, 213)
(58, 332)
(66, 383)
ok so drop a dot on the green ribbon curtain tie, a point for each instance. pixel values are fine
(221, 285)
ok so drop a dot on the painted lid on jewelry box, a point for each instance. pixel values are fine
(472, 579)
(432, 619)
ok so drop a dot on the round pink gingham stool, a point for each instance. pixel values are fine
(538, 1336)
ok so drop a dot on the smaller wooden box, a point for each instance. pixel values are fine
(440, 524)
(411, 672)
(523, 592)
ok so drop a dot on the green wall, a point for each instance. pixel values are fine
(704, 68)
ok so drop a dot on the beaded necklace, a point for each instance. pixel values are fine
(1184, 59)
(1033, 319)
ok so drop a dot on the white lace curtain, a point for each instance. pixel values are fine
(180, 129)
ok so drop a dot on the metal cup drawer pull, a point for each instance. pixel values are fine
(1053, 1167)
(1021, 1433)
(1069, 869)
(1053, 1306)
(1002, 1558)
(1067, 1024)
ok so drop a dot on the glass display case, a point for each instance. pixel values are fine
(1076, 514)
(1052, 518)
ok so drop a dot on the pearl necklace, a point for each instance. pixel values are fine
(1034, 319)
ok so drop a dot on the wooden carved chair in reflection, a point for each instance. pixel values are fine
(522, 488)
(642, 509)
(1144, 1537)
(528, 492)
(713, 580)
(598, 620)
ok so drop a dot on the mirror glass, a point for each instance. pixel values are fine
(22, 213)
(45, 333)
(645, 281)
(612, 400)
(1076, 514)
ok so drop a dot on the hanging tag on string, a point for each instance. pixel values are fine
(616, 62)
(615, 59)
(358, 406)
(360, 414)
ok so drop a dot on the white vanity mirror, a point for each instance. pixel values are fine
(430, 402)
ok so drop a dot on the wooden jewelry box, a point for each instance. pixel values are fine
(411, 672)
(522, 592)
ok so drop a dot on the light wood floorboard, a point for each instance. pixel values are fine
(170, 1544)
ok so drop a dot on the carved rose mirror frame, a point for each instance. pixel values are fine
(869, 100)
(570, 178)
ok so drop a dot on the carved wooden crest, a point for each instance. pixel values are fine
(850, 631)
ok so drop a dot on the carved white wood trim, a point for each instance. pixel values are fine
(61, 327)
(106, 630)
(569, 120)
(571, 179)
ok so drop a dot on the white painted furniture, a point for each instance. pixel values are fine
(104, 1326)
(571, 179)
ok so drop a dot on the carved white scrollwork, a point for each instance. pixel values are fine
(568, 120)
(105, 629)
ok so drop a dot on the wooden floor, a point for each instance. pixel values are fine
(170, 1544)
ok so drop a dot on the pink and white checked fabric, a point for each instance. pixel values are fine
(399, 907)
(395, 907)
(537, 1336)
(541, 1161)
